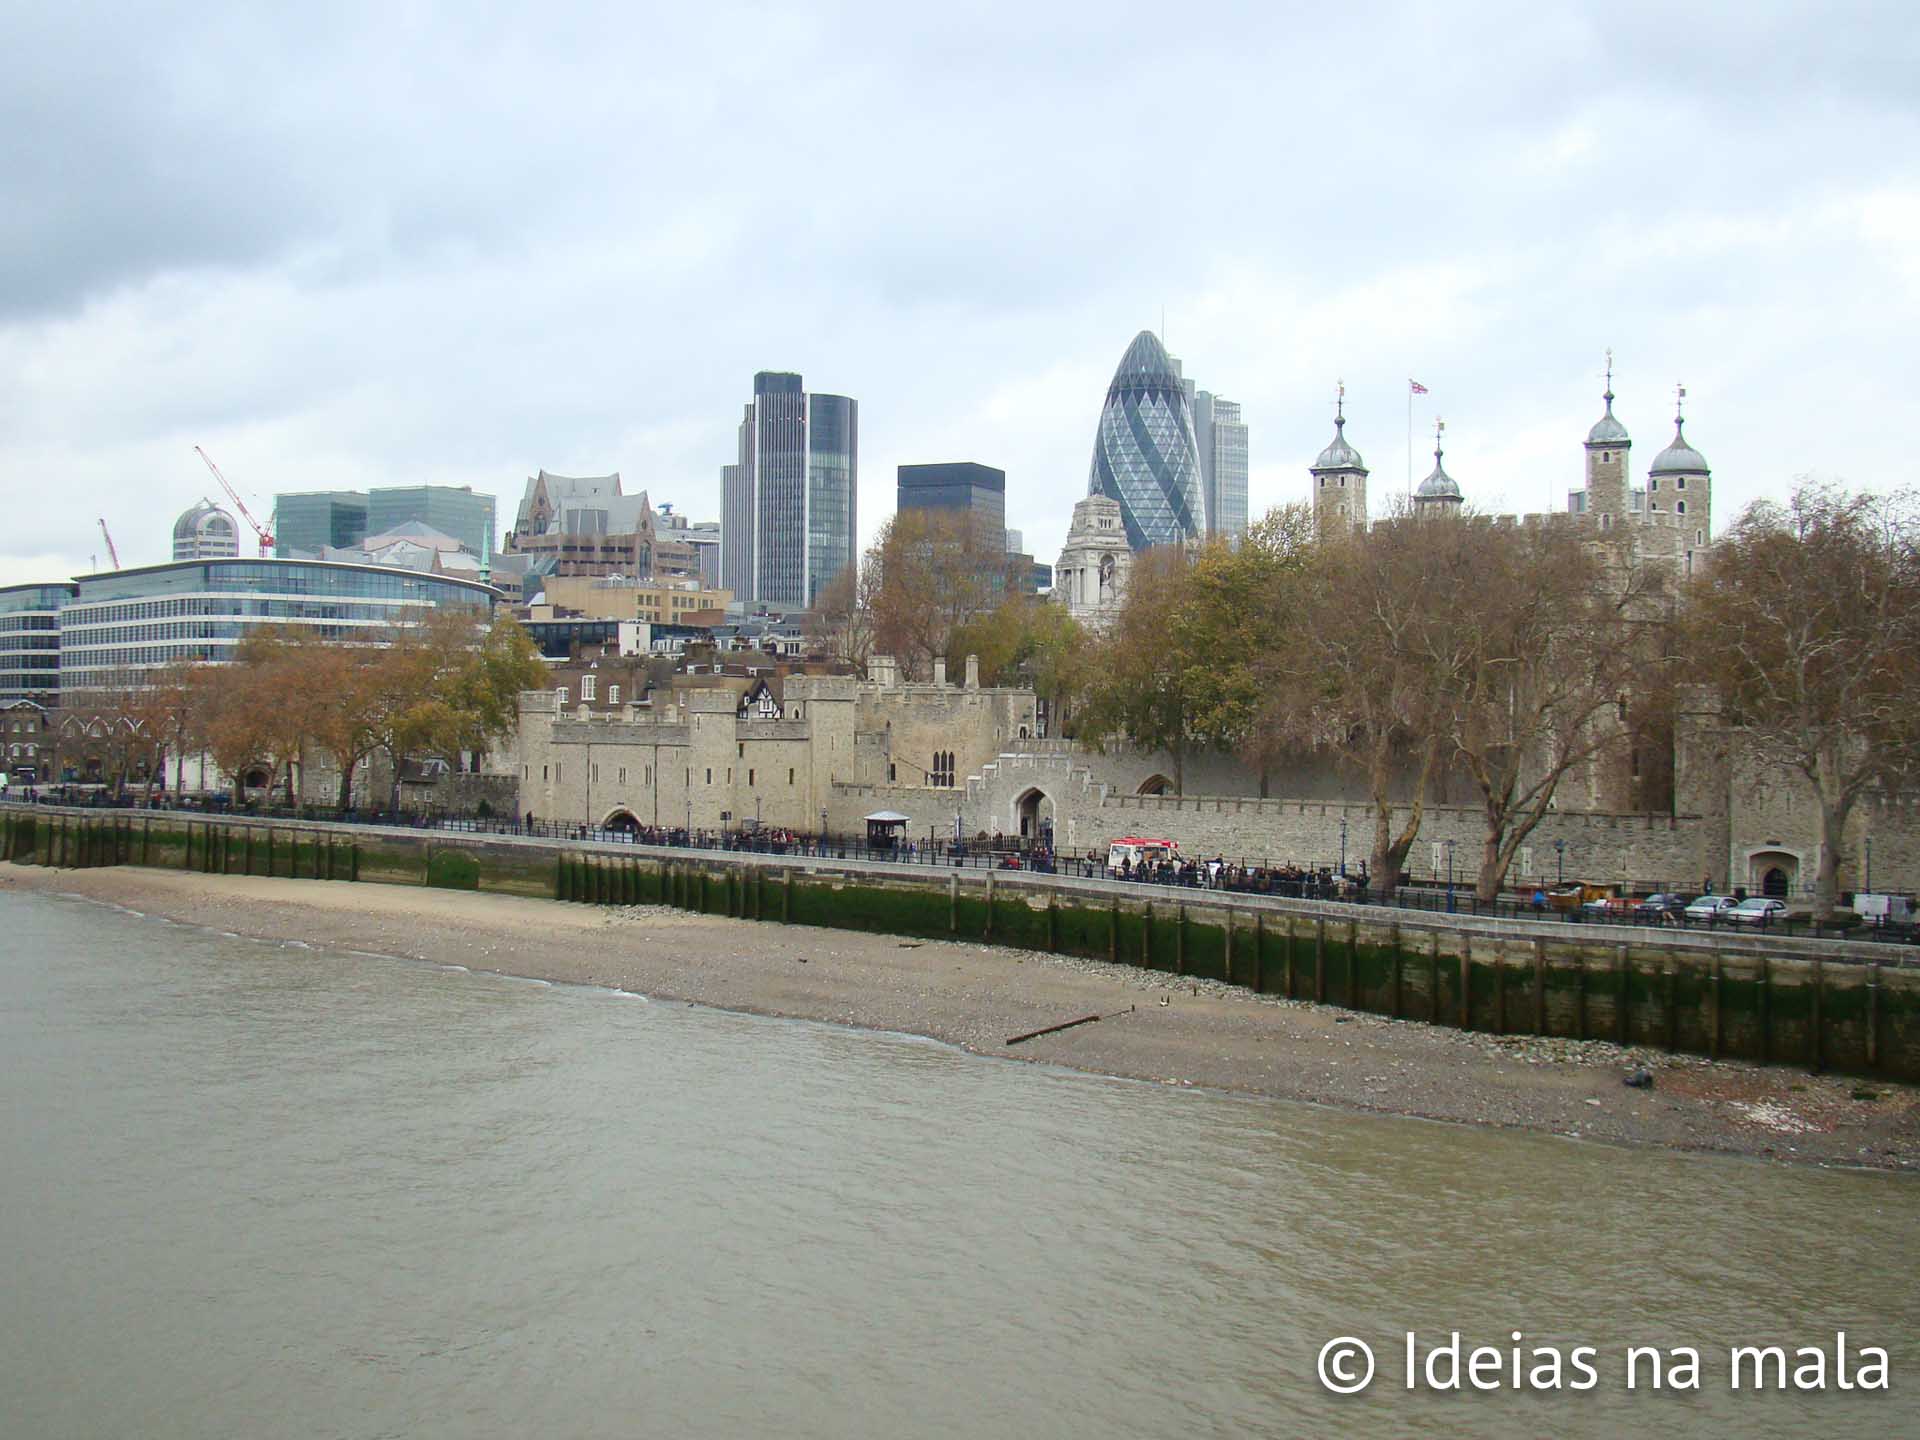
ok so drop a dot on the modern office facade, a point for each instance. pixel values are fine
(453, 510)
(960, 488)
(1145, 455)
(116, 628)
(1220, 438)
(789, 513)
(30, 642)
(205, 532)
(310, 521)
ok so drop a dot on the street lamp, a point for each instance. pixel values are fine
(1449, 877)
(1869, 875)
(1559, 862)
(1343, 846)
(823, 830)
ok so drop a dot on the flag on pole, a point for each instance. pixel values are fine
(1414, 387)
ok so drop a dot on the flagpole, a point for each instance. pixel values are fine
(1409, 439)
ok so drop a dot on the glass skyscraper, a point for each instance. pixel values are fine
(1145, 454)
(789, 515)
(1223, 462)
(452, 510)
(312, 520)
(960, 488)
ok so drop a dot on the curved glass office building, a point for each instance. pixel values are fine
(115, 627)
(1145, 455)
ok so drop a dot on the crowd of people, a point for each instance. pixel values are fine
(1220, 873)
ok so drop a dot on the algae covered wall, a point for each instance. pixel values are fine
(1747, 999)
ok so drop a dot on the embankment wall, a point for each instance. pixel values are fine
(1808, 1003)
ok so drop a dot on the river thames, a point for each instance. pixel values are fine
(255, 1189)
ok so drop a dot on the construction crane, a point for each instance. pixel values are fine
(265, 534)
(107, 535)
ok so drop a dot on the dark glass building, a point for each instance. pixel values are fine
(313, 520)
(960, 487)
(455, 510)
(788, 506)
(1145, 454)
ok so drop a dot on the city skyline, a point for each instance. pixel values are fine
(477, 299)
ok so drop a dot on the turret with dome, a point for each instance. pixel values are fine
(1339, 476)
(1439, 492)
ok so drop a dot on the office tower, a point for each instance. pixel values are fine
(960, 488)
(314, 520)
(452, 510)
(1222, 438)
(1144, 452)
(788, 507)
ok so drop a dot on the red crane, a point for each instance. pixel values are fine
(107, 535)
(266, 535)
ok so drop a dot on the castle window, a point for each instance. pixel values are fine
(789, 775)
(1652, 486)
(1699, 537)
(1679, 507)
(1323, 482)
(1680, 482)
(1343, 482)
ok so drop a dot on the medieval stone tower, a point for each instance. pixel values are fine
(1339, 478)
(1609, 490)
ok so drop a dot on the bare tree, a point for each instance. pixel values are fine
(1807, 623)
(1365, 670)
(1544, 658)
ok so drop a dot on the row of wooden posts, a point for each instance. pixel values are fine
(691, 886)
(227, 847)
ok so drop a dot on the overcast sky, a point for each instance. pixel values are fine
(396, 243)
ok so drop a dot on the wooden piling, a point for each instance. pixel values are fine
(1259, 952)
(1667, 1004)
(1320, 959)
(1539, 985)
(1180, 939)
(1715, 1034)
(1464, 1005)
(1623, 995)
(1816, 1031)
(1873, 1015)
(1763, 982)
(1398, 967)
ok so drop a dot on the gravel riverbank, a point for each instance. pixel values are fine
(1159, 1028)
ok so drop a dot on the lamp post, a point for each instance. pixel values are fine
(1559, 862)
(1449, 877)
(689, 819)
(823, 830)
(1869, 875)
(1343, 846)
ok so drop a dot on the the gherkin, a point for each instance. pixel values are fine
(1145, 455)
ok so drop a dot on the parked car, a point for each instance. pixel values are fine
(1757, 911)
(1659, 909)
(1709, 908)
(1608, 907)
